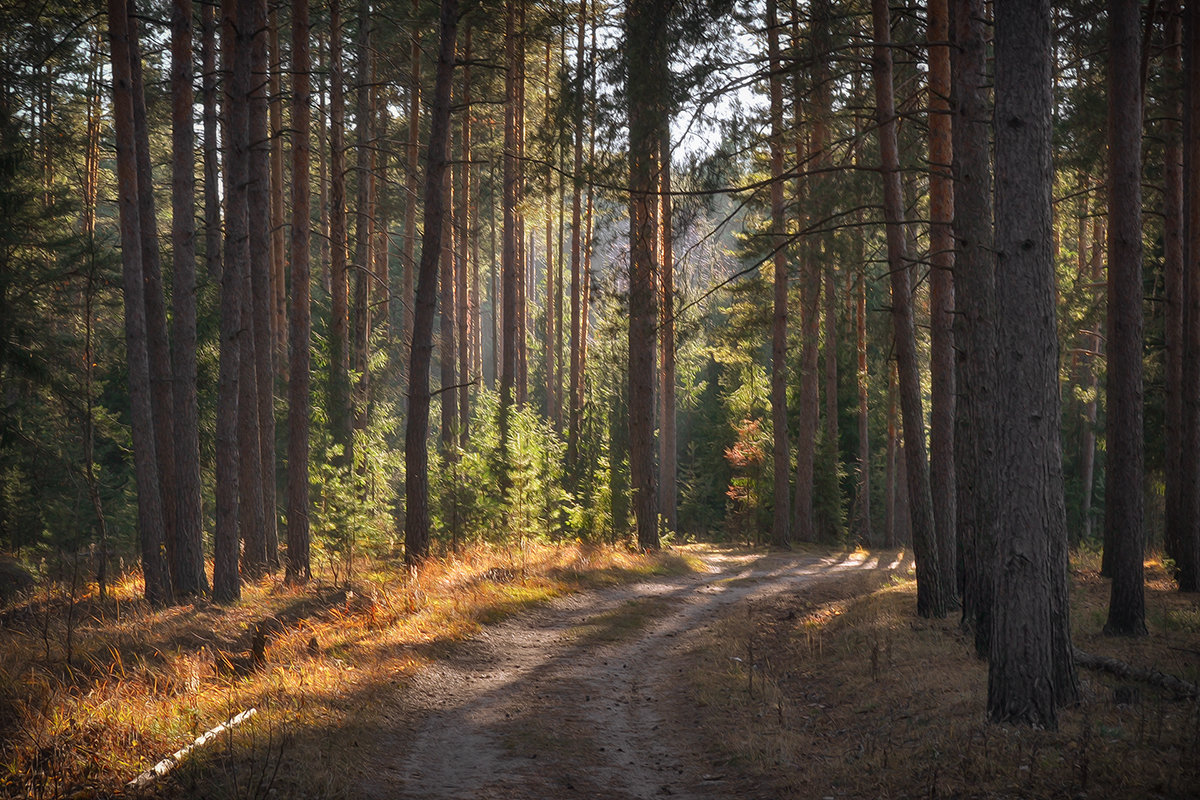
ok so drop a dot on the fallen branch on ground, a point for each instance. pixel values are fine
(170, 762)
(1151, 676)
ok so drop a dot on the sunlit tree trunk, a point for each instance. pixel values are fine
(575, 381)
(463, 263)
(668, 462)
(645, 30)
(447, 353)
(416, 453)
(508, 260)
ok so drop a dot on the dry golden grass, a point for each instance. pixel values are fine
(142, 682)
(838, 690)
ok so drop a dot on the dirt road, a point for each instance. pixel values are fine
(581, 698)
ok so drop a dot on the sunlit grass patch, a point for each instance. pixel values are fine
(141, 682)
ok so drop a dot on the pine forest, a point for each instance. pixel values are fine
(550, 398)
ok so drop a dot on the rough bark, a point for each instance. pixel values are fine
(188, 576)
(974, 284)
(1031, 672)
(510, 234)
(416, 452)
(447, 352)
(1125, 443)
(575, 379)
(299, 568)
(931, 601)
(150, 510)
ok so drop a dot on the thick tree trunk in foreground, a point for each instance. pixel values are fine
(300, 321)
(780, 534)
(645, 28)
(1123, 493)
(188, 573)
(931, 594)
(1031, 672)
(150, 511)
(416, 445)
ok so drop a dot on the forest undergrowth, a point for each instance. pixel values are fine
(92, 692)
(838, 690)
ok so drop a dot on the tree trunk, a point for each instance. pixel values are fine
(226, 549)
(889, 494)
(412, 187)
(150, 510)
(1095, 344)
(974, 285)
(340, 417)
(575, 381)
(416, 452)
(864, 431)
(462, 301)
(158, 346)
(1124, 437)
(510, 233)
(258, 196)
(299, 568)
(1188, 564)
(780, 535)
(212, 195)
(363, 226)
(645, 30)
(931, 594)
(668, 492)
(279, 316)
(446, 306)
(1173, 279)
(188, 575)
(941, 287)
(1031, 672)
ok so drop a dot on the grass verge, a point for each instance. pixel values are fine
(88, 704)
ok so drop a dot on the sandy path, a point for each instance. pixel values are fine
(576, 699)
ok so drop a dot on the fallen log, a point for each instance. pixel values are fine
(170, 762)
(1130, 672)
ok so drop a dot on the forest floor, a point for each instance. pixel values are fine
(703, 672)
